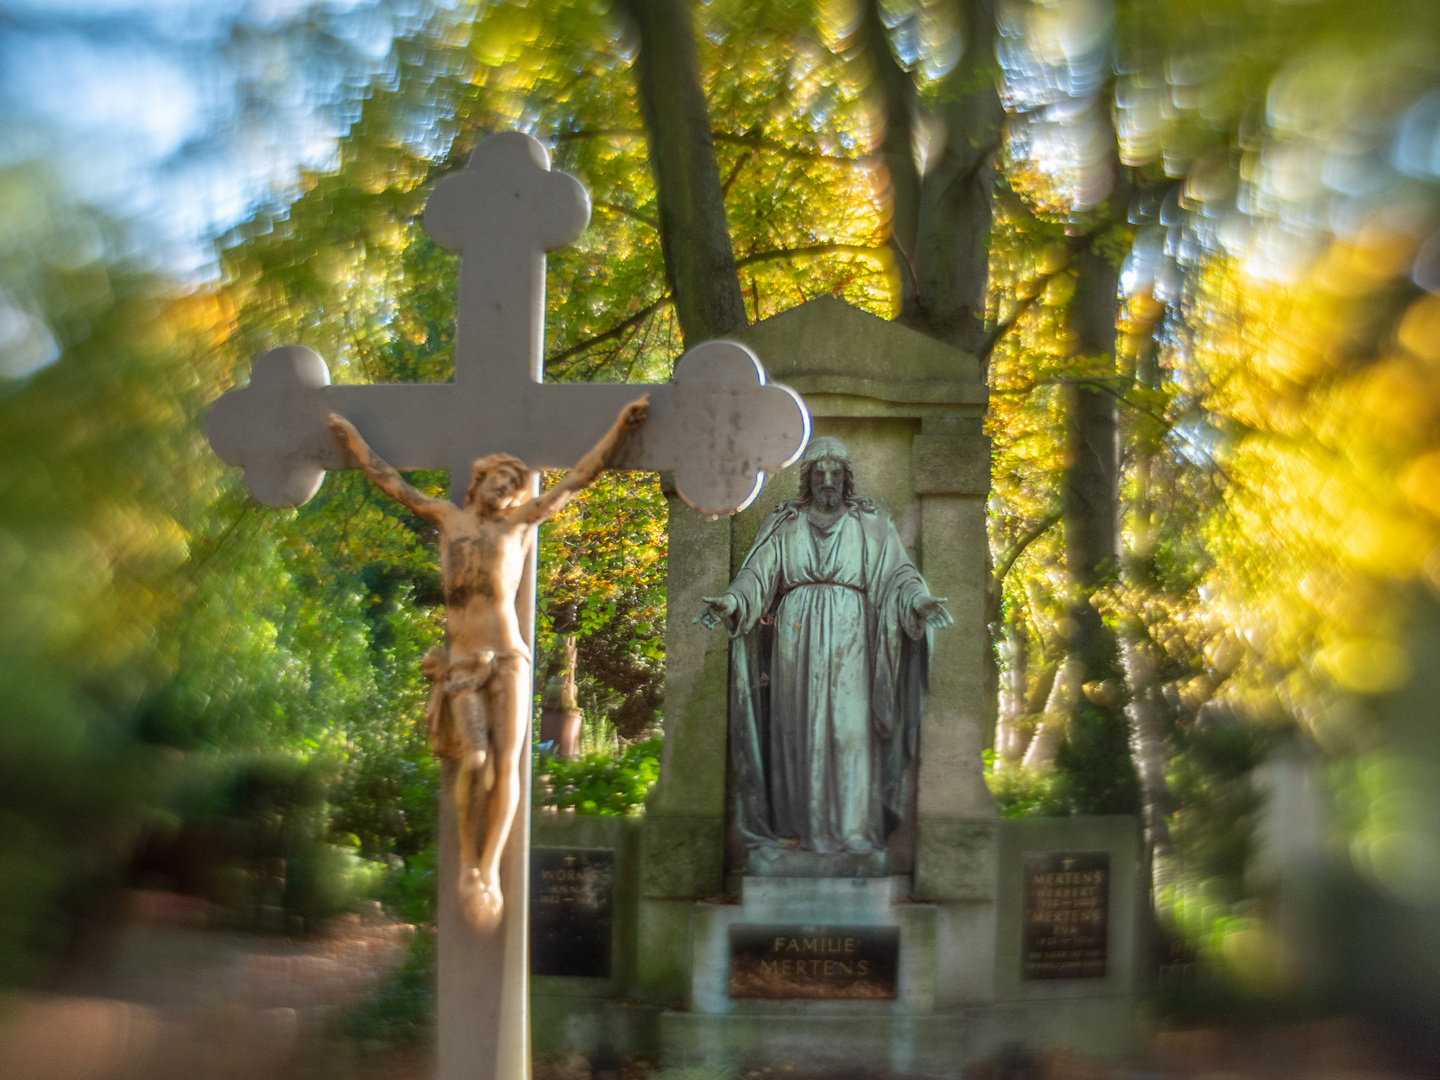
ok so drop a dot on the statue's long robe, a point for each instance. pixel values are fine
(827, 680)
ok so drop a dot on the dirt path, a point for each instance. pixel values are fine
(176, 1001)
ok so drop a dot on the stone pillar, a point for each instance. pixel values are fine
(956, 835)
(472, 1005)
(682, 844)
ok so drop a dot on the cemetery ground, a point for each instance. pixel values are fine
(176, 999)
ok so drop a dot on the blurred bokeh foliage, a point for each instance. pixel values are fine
(1221, 218)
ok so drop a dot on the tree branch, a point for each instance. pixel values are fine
(997, 576)
(805, 252)
(744, 138)
(735, 172)
(759, 142)
(614, 332)
(987, 348)
(616, 208)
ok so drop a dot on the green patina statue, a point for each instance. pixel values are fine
(829, 622)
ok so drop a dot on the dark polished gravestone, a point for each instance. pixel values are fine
(571, 911)
(1066, 914)
(823, 962)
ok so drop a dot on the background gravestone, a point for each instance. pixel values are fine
(572, 904)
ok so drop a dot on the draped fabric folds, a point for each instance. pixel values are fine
(828, 667)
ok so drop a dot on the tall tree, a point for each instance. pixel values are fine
(939, 146)
(694, 234)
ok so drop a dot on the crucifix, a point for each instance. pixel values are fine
(719, 426)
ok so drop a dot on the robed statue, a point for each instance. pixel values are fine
(830, 625)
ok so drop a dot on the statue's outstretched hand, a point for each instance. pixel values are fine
(344, 431)
(932, 608)
(715, 609)
(633, 415)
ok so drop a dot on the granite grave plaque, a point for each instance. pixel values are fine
(831, 962)
(571, 904)
(1066, 914)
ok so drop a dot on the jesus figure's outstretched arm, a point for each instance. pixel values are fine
(382, 474)
(587, 468)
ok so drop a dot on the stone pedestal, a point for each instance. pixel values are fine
(962, 991)
(812, 902)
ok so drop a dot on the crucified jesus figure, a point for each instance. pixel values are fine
(481, 708)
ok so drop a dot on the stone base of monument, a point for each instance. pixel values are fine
(844, 971)
(936, 1045)
(851, 972)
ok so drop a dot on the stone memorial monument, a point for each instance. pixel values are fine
(820, 877)
(718, 427)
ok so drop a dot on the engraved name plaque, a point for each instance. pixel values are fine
(833, 962)
(1066, 915)
(571, 903)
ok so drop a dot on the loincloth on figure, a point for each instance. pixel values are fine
(465, 673)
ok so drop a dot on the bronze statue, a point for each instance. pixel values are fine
(829, 622)
(480, 710)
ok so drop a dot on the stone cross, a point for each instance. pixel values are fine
(719, 426)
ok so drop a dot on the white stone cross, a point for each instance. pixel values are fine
(718, 426)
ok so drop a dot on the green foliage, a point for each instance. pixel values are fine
(99, 474)
(1093, 770)
(403, 1011)
(605, 555)
(611, 780)
(1023, 793)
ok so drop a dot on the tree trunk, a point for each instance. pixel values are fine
(1054, 723)
(1137, 653)
(940, 220)
(952, 246)
(560, 715)
(1014, 698)
(694, 235)
(1095, 754)
(897, 150)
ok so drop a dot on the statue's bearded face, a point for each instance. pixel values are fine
(498, 488)
(827, 484)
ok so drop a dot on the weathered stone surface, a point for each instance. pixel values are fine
(662, 966)
(863, 356)
(951, 465)
(876, 902)
(719, 424)
(955, 859)
(681, 857)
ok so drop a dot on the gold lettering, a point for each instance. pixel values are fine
(846, 968)
(862, 967)
(779, 945)
(769, 967)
